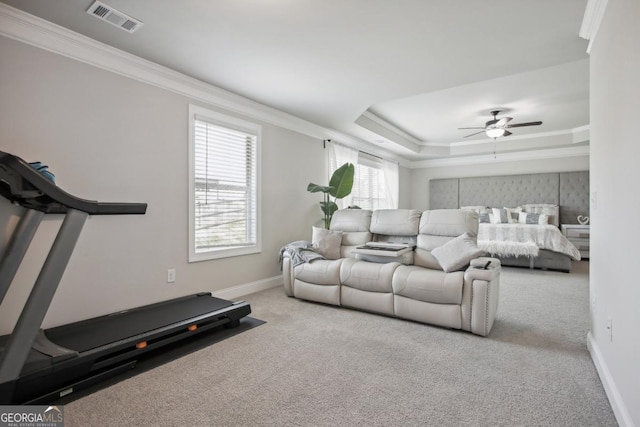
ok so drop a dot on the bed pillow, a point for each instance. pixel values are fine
(513, 212)
(553, 211)
(457, 253)
(501, 216)
(533, 218)
(327, 242)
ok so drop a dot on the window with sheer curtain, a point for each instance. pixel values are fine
(376, 181)
(224, 192)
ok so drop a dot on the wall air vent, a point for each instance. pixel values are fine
(114, 17)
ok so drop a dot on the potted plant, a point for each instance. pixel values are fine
(340, 186)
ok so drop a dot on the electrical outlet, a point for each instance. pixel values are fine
(171, 275)
(610, 328)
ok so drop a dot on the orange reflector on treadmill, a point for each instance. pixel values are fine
(142, 344)
(192, 327)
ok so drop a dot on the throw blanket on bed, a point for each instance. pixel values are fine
(523, 240)
(300, 252)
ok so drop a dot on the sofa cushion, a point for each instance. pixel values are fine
(367, 276)
(406, 259)
(424, 258)
(395, 222)
(326, 242)
(423, 284)
(457, 253)
(319, 272)
(351, 240)
(351, 220)
(449, 222)
(439, 226)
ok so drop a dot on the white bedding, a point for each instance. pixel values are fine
(524, 240)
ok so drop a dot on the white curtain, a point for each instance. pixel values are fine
(392, 179)
(338, 156)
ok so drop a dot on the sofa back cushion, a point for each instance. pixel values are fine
(438, 227)
(351, 220)
(395, 222)
(354, 224)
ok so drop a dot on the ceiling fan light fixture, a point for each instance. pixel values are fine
(495, 132)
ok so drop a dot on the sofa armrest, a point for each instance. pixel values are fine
(480, 295)
(287, 274)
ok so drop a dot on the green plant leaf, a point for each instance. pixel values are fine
(341, 181)
(315, 188)
(328, 208)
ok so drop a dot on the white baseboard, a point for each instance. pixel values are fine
(248, 288)
(615, 399)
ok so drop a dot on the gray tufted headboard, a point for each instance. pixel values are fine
(569, 190)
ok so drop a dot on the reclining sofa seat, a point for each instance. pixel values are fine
(320, 280)
(413, 287)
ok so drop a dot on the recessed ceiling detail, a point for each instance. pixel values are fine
(407, 76)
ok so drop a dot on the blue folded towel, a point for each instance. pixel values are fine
(43, 169)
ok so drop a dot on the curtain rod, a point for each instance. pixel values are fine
(324, 145)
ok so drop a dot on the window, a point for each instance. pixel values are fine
(376, 181)
(371, 186)
(224, 214)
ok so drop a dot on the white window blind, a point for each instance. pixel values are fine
(369, 184)
(225, 190)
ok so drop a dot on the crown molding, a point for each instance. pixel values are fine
(552, 153)
(591, 20)
(388, 131)
(26, 28)
(577, 133)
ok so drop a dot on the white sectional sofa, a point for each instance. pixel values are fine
(461, 295)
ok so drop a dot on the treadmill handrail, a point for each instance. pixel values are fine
(42, 194)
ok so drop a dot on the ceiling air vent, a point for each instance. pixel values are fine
(114, 17)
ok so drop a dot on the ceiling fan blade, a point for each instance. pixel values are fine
(477, 133)
(503, 121)
(473, 128)
(507, 133)
(519, 125)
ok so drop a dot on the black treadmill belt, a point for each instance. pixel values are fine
(93, 333)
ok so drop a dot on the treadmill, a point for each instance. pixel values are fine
(41, 366)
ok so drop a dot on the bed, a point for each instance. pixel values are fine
(520, 215)
(526, 237)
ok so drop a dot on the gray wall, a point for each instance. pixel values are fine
(110, 138)
(615, 234)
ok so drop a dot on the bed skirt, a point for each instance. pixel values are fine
(546, 260)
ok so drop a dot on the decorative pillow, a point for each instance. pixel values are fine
(553, 211)
(485, 217)
(532, 218)
(513, 212)
(501, 216)
(327, 242)
(457, 253)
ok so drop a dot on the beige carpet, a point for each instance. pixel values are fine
(317, 365)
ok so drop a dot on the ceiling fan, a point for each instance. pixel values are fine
(496, 128)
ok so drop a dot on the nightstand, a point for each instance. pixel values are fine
(578, 235)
